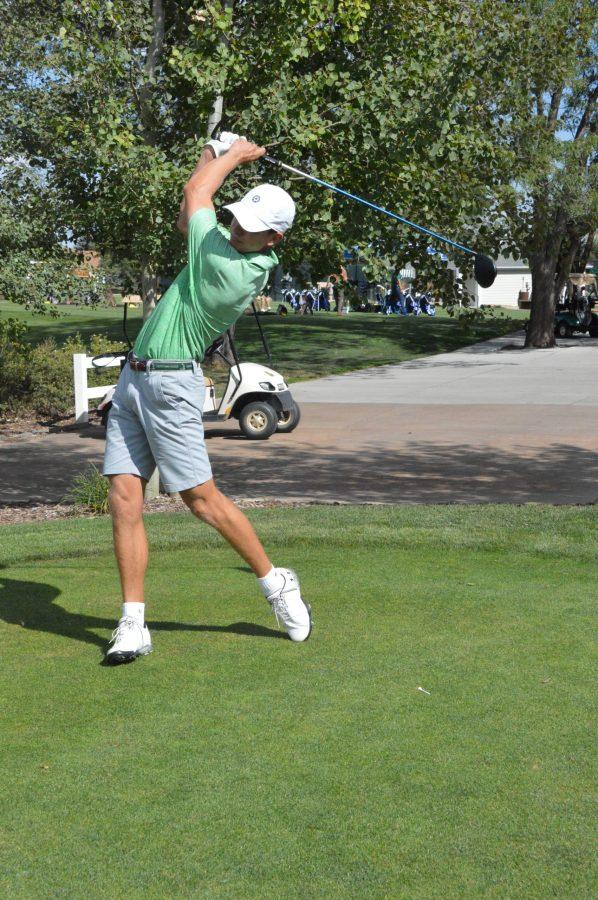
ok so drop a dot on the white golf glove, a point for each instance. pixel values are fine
(224, 143)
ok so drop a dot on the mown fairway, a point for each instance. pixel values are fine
(232, 763)
(302, 346)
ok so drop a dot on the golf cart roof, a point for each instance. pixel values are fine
(583, 278)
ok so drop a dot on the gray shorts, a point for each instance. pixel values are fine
(156, 419)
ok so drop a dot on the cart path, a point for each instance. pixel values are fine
(493, 372)
(406, 450)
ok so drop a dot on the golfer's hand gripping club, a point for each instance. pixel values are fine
(244, 151)
(222, 143)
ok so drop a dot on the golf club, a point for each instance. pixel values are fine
(484, 267)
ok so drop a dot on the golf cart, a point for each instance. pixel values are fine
(256, 395)
(575, 315)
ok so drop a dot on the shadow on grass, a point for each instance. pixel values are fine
(31, 604)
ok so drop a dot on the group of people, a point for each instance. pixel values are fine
(579, 298)
(393, 300)
(404, 303)
(307, 301)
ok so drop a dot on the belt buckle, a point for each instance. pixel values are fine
(138, 365)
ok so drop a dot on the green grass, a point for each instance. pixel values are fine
(72, 320)
(302, 346)
(232, 763)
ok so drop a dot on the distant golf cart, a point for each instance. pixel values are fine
(576, 316)
(256, 395)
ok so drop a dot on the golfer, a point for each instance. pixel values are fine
(156, 415)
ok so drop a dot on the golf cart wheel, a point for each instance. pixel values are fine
(563, 330)
(289, 420)
(258, 421)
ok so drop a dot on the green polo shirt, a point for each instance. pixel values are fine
(207, 297)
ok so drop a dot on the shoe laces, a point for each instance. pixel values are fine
(125, 624)
(279, 607)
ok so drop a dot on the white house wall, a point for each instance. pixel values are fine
(505, 290)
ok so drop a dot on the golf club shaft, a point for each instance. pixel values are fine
(332, 187)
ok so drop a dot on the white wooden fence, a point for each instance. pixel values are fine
(83, 393)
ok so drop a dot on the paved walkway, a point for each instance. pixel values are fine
(496, 372)
(486, 424)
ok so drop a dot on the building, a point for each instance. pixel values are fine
(512, 279)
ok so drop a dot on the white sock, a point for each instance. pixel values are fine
(135, 611)
(271, 582)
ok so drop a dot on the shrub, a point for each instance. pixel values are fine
(90, 490)
(40, 378)
(15, 385)
(51, 377)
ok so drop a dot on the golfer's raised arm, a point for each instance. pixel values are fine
(207, 156)
(205, 181)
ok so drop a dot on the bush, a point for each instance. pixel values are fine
(40, 379)
(52, 391)
(90, 490)
(51, 377)
(15, 385)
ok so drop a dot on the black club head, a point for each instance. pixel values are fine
(484, 270)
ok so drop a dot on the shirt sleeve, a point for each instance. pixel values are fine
(199, 225)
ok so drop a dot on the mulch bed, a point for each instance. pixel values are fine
(12, 429)
(19, 513)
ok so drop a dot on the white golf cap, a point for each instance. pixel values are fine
(263, 207)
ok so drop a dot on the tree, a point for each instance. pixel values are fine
(551, 201)
(395, 100)
(34, 269)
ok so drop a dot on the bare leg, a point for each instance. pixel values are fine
(207, 503)
(130, 540)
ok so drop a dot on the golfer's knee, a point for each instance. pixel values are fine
(126, 500)
(207, 503)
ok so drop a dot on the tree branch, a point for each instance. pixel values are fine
(586, 119)
(539, 102)
(555, 105)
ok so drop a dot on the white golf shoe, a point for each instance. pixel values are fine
(288, 607)
(129, 640)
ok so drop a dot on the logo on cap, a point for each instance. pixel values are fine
(255, 198)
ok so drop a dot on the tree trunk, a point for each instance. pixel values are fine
(569, 251)
(149, 274)
(214, 120)
(149, 287)
(583, 257)
(216, 114)
(152, 60)
(549, 240)
(540, 331)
